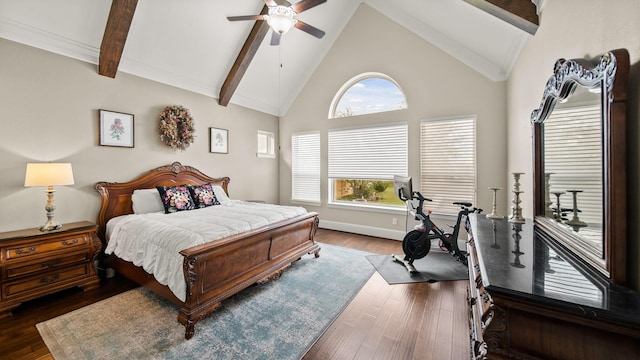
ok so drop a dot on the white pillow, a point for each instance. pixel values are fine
(221, 195)
(146, 201)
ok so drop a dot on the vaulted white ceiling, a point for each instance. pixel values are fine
(190, 44)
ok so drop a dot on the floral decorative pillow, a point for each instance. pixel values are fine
(203, 195)
(176, 198)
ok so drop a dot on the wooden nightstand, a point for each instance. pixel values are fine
(35, 263)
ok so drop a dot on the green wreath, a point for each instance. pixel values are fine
(176, 127)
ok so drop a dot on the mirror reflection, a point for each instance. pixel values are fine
(573, 167)
(562, 280)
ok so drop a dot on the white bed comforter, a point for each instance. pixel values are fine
(153, 241)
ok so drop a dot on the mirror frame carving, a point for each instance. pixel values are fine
(611, 74)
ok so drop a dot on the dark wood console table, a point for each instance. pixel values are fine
(530, 299)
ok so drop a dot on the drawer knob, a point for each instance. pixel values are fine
(67, 242)
(25, 251)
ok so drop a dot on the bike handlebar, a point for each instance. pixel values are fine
(465, 206)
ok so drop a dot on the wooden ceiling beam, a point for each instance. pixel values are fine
(522, 14)
(115, 36)
(248, 51)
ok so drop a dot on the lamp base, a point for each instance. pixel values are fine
(51, 225)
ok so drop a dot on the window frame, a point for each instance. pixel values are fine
(317, 201)
(333, 174)
(354, 81)
(447, 208)
(271, 144)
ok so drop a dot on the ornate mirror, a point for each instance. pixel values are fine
(579, 160)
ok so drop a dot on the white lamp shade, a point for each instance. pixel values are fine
(280, 23)
(48, 174)
(281, 18)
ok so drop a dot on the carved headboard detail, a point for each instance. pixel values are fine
(116, 197)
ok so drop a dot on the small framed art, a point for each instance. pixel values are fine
(116, 129)
(219, 140)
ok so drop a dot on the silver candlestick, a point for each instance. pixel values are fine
(516, 217)
(558, 214)
(494, 207)
(548, 211)
(516, 210)
(575, 221)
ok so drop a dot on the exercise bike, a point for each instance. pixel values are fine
(417, 243)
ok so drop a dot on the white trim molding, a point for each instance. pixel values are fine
(362, 230)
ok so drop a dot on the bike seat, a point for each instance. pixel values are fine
(463, 203)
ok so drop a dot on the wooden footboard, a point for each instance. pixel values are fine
(216, 270)
(214, 273)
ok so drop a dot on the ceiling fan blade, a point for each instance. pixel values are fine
(306, 5)
(309, 29)
(270, 3)
(275, 38)
(245, 17)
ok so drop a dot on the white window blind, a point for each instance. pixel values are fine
(375, 153)
(448, 162)
(305, 167)
(576, 164)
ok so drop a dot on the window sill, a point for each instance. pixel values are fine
(371, 208)
(387, 210)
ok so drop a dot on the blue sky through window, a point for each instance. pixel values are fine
(370, 95)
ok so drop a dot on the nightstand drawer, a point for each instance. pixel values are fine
(42, 282)
(33, 249)
(16, 269)
(34, 263)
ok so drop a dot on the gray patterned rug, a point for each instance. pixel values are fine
(277, 320)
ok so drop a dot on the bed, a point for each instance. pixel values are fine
(215, 270)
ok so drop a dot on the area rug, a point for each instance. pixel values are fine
(278, 320)
(436, 266)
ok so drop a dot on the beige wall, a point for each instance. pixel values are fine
(575, 29)
(50, 113)
(436, 85)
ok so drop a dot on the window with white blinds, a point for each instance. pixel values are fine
(362, 163)
(305, 167)
(375, 153)
(575, 164)
(448, 162)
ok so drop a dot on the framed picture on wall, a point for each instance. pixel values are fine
(219, 140)
(116, 129)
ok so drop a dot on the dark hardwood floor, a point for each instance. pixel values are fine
(407, 321)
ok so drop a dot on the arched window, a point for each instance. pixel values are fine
(366, 94)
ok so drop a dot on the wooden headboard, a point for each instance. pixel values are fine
(116, 197)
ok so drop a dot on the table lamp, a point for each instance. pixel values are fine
(49, 175)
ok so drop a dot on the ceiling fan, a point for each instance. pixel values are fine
(282, 18)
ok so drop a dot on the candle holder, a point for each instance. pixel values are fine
(516, 210)
(575, 221)
(558, 214)
(494, 231)
(516, 216)
(516, 251)
(494, 207)
(548, 210)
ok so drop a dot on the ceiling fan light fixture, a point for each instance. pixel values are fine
(281, 19)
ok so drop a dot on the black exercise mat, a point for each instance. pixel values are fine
(436, 266)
